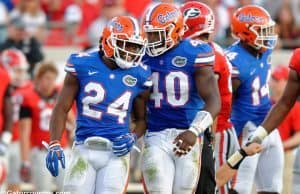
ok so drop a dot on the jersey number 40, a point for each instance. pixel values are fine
(173, 97)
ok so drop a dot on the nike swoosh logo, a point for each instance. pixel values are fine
(92, 72)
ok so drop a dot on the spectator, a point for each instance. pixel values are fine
(72, 18)
(109, 10)
(3, 22)
(33, 17)
(18, 38)
(289, 129)
(295, 5)
(286, 27)
(55, 10)
(36, 109)
(222, 20)
(136, 8)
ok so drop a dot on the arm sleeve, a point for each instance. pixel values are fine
(205, 56)
(295, 61)
(25, 112)
(70, 66)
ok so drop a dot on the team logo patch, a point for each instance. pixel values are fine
(250, 18)
(179, 61)
(163, 18)
(128, 80)
(116, 25)
(192, 13)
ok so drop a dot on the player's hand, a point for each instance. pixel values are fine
(123, 144)
(252, 148)
(25, 172)
(54, 155)
(184, 143)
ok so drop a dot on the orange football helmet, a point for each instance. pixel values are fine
(164, 27)
(199, 19)
(254, 25)
(16, 65)
(124, 41)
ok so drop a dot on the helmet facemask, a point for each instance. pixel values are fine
(159, 39)
(266, 36)
(127, 51)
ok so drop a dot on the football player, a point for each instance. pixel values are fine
(36, 108)
(200, 24)
(6, 121)
(107, 85)
(281, 109)
(16, 65)
(183, 103)
(250, 57)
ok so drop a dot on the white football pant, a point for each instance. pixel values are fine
(165, 173)
(96, 171)
(265, 168)
(296, 173)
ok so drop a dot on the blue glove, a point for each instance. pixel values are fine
(123, 144)
(55, 154)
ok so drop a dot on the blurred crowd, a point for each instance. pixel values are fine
(79, 22)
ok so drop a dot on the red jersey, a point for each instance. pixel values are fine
(17, 98)
(5, 80)
(223, 68)
(291, 123)
(40, 111)
(295, 61)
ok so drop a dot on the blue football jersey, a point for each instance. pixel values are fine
(252, 101)
(105, 96)
(174, 99)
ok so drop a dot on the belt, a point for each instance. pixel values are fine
(95, 143)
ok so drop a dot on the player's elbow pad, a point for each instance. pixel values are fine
(202, 121)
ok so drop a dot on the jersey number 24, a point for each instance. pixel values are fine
(117, 108)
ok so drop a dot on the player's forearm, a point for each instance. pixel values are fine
(57, 122)
(292, 142)
(140, 127)
(8, 115)
(213, 104)
(25, 130)
(277, 114)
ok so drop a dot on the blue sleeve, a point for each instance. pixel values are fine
(205, 56)
(71, 66)
(239, 70)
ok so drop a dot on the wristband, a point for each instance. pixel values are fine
(202, 121)
(259, 135)
(236, 159)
